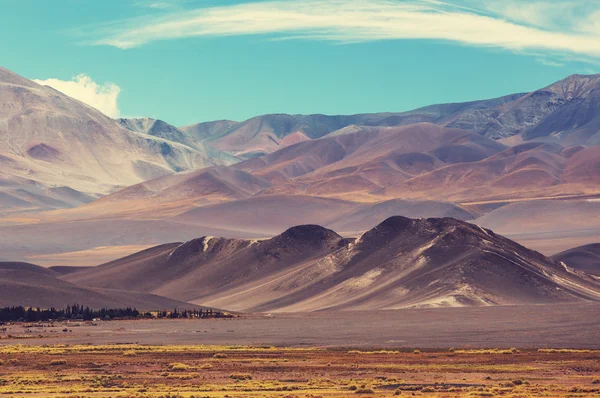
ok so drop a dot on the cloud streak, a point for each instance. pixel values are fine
(546, 25)
(83, 88)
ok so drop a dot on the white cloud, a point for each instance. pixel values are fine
(537, 25)
(82, 87)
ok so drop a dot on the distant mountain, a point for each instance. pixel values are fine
(583, 258)
(400, 263)
(58, 152)
(156, 128)
(206, 130)
(160, 129)
(566, 112)
(269, 214)
(28, 285)
(348, 166)
(265, 134)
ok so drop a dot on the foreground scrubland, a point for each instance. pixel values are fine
(131, 370)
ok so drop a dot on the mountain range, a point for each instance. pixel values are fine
(79, 188)
(565, 112)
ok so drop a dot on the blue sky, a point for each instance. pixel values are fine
(186, 61)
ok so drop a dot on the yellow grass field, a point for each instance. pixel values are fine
(130, 370)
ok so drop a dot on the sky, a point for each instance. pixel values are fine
(188, 61)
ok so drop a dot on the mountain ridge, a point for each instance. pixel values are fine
(494, 118)
(400, 263)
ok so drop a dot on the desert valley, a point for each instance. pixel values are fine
(451, 250)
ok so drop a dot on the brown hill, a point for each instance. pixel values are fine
(31, 242)
(584, 258)
(174, 194)
(400, 263)
(178, 269)
(368, 215)
(401, 149)
(29, 285)
(549, 226)
(544, 215)
(526, 170)
(268, 214)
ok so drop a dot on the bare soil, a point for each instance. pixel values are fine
(524, 327)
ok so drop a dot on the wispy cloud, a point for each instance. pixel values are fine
(160, 4)
(100, 96)
(552, 26)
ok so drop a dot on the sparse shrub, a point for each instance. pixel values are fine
(12, 362)
(451, 349)
(241, 376)
(206, 366)
(562, 351)
(517, 382)
(416, 352)
(129, 353)
(428, 389)
(364, 391)
(220, 355)
(353, 388)
(597, 381)
(398, 392)
(57, 362)
(178, 367)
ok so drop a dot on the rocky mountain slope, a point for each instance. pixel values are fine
(400, 263)
(58, 152)
(160, 129)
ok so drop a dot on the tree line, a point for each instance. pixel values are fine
(79, 312)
